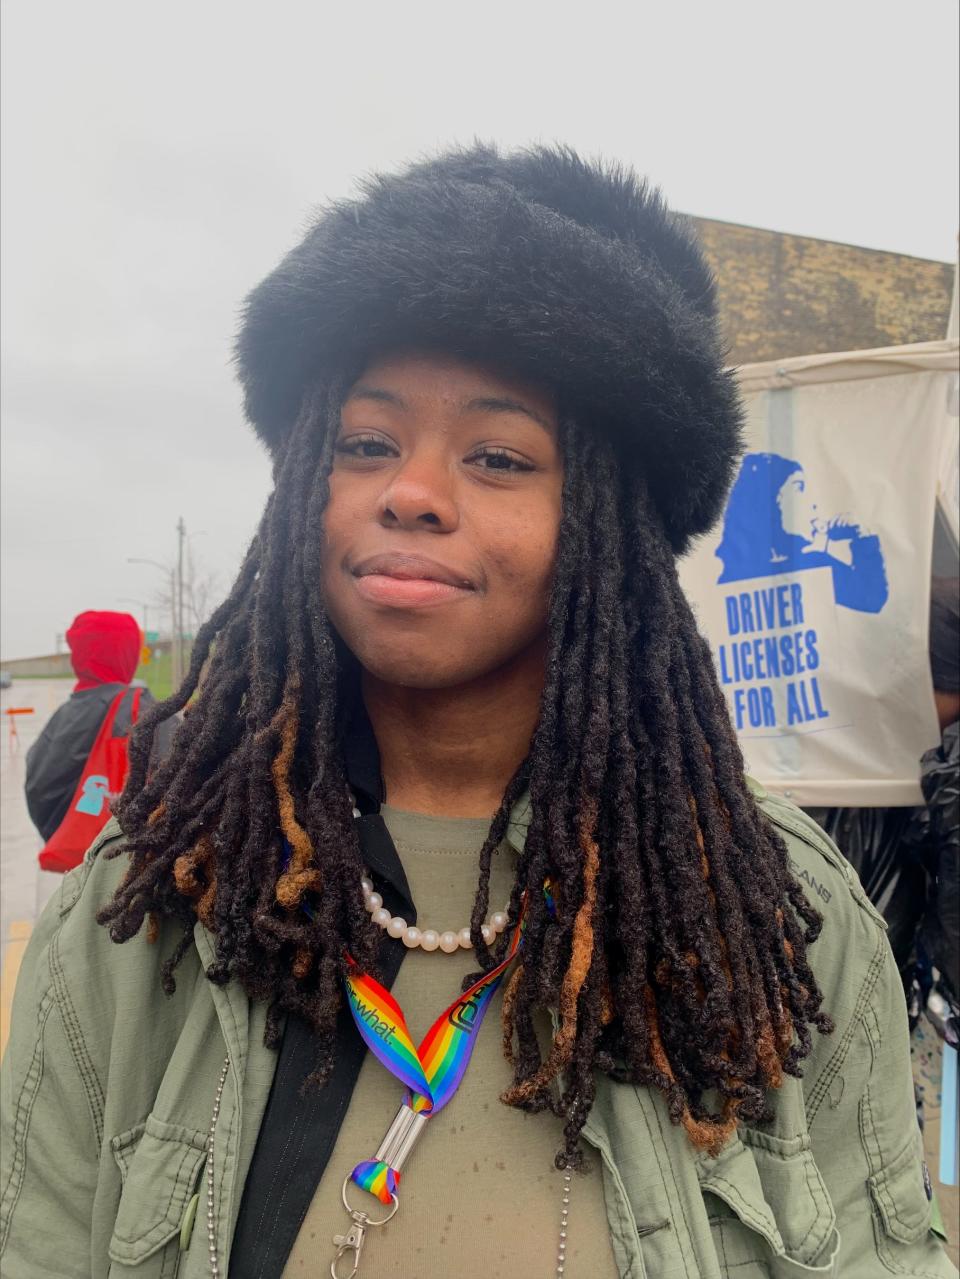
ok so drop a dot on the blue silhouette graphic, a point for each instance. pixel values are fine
(94, 795)
(772, 525)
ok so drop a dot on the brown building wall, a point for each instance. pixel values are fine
(783, 295)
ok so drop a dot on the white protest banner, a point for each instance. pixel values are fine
(813, 590)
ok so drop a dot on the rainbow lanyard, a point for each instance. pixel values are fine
(431, 1073)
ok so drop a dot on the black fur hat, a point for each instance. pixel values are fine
(574, 275)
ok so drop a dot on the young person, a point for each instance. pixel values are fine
(80, 757)
(104, 654)
(458, 725)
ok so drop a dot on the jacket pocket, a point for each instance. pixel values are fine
(160, 1165)
(768, 1208)
(906, 1240)
(900, 1199)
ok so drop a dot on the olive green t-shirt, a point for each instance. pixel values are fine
(480, 1193)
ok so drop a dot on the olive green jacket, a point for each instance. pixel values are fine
(109, 1086)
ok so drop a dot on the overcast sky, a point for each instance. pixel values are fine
(159, 158)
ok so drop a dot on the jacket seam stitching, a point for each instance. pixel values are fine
(676, 1188)
(234, 1026)
(813, 1185)
(888, 1260)
(149, 1236)
(683, 1210)
(749, 1216)
(836, 1062)
(881, 1179)
(124, 1146)
(877, 1177)
(868, 1128)
(629, 1234)
(74, 1040)
(821, 1088)
(723, 1247)
(22, 1115)
(865, 1132)
(622, 1223)
(88, 1075)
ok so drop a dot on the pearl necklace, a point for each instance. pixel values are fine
(427, 938)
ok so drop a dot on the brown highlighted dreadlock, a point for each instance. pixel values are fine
(676, 955)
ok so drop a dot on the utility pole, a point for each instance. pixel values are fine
(181, 536)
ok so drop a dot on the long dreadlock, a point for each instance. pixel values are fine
(676, 954)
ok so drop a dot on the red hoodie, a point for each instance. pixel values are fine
(104, 648)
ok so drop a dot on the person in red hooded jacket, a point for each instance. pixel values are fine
(104, 653)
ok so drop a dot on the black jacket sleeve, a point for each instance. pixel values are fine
(55, 761)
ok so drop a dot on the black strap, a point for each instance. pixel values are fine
(300, 1127)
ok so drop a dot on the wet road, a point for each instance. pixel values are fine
(24, 887)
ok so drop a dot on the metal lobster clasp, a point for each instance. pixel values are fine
(349, 1247)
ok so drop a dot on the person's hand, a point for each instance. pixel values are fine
(843, 528)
